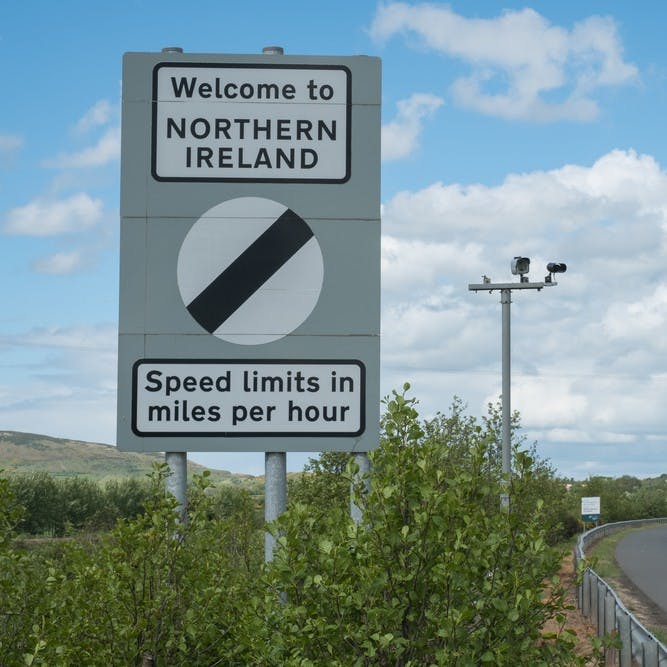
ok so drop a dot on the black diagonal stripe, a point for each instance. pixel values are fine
(250, 270)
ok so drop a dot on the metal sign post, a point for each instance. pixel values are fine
(363, 473)
(177, 480)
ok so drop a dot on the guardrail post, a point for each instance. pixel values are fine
(623, 622)
(650, 654)
(594, 602)
(586, 594)
(610, 626)
(602, 594)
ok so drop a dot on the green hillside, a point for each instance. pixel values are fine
(25, 453)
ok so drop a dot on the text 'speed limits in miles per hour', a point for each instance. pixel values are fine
(241, 398)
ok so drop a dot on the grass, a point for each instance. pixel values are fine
(30, 453)
(602, 555)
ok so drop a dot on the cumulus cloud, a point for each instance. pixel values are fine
(588, 355)
(84, 355)
(103, 116)
(522, 66)
(61, 263)
(100, 114)
(407, 263)
(400, 137)
(9, 145)
(106, 150)
(648, 315)
(572, 199)
(46, 217)
(96, 338)
(65, 383)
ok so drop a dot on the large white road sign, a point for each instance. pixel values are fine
(249, 253)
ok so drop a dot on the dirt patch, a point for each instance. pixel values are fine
(574, 618)
(644, 609)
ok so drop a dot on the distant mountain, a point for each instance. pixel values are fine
(25, 453)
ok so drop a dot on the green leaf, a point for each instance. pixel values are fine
(326, 546)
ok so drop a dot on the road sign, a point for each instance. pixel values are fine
(246, 121)
(295, 398)
(250, 253)
(250, 270)
(590, 508)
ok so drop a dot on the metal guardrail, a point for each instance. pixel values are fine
(598, 601)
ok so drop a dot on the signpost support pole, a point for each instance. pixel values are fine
(275, 495)
(362, 474)
(506, 300)
(177, 479)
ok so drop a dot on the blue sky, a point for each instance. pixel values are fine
(508, 128)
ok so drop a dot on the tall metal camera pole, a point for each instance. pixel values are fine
(520, 266)
(506, 300)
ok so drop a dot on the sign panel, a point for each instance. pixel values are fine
(245, 398)
(224, 122)
(250, 271)
(249, 312)
(590, 508)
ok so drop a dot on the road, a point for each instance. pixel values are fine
(642, 555)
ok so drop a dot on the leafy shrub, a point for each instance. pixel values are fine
(436, 574)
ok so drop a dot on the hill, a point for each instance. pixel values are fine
(26, 453)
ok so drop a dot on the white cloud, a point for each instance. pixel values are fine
(522, 66)
(648, 314)
(400, 137)
(64, 383)
(90, 338)
(557, 402)
(9, 145)
(589, 356)
(43, 217)
(106, 150)
(571, 200)
(99, 114)
(411, 263)
(61, 263)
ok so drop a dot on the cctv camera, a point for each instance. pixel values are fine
(556, 267)
(520, 266)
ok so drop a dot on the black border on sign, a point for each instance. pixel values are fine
(196, 179)
(251, 434)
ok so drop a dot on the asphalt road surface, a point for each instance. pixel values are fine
(642, 555)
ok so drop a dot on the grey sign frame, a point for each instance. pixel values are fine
(157, 214)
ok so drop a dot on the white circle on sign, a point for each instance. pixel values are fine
(250, 270)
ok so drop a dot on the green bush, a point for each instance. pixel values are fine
(153, 587)
(55, 507)
(436, 574)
